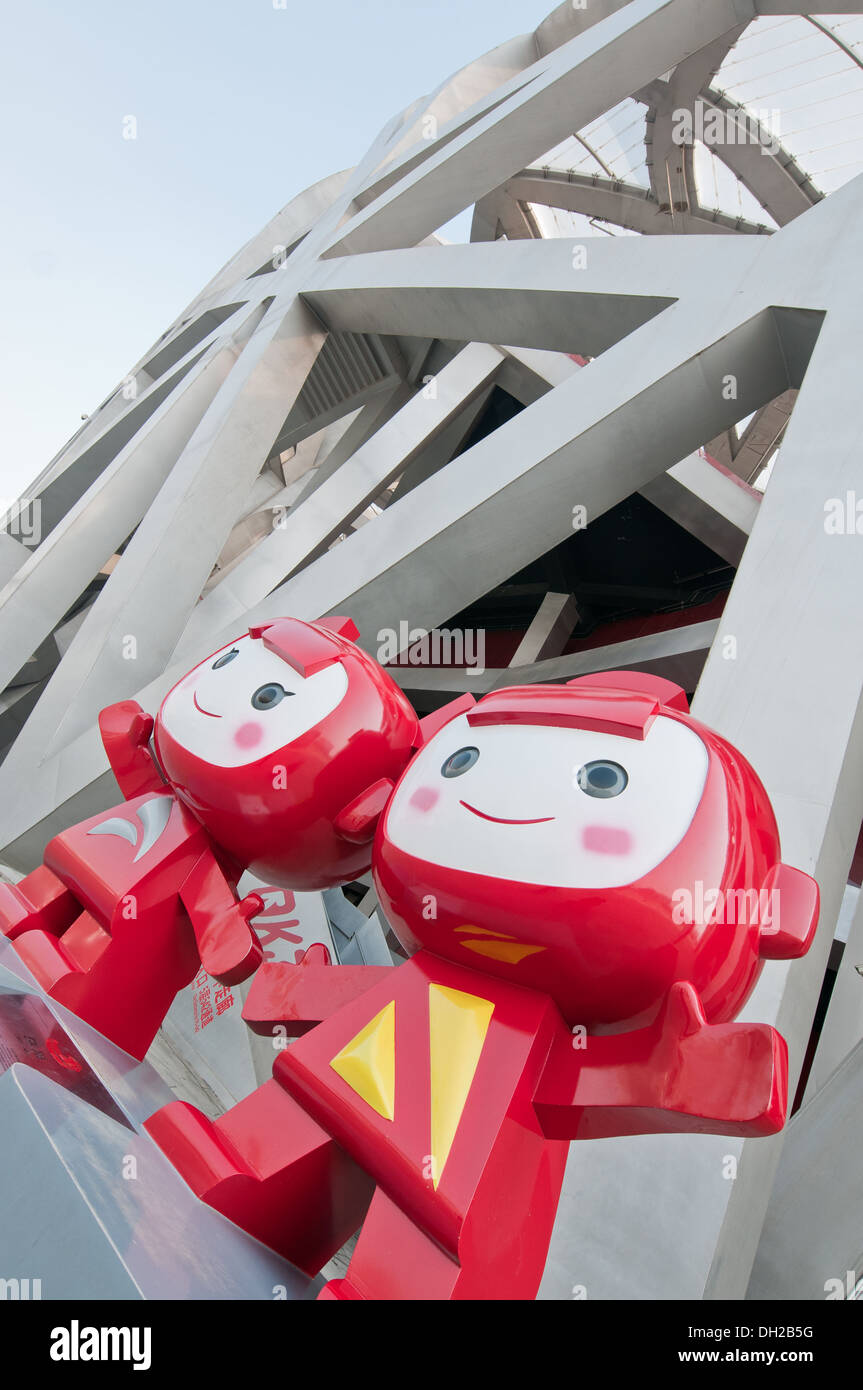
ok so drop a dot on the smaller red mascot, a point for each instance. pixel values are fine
(275, 754)
(589, 880)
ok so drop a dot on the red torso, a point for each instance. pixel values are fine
(146, 849)
(455, 1057)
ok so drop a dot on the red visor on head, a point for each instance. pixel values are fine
(657, 687)
(305, 646)
(623, 712)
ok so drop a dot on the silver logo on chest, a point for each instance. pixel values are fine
(153, 815)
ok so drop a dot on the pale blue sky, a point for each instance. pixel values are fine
(239, 106)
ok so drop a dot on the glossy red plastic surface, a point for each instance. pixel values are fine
(300, 996)
(129, 904)
(272, 1170)
(607, 711)
(611, 956)
(277, 815)
(455, 1081)
(126, 731)
(118, 942)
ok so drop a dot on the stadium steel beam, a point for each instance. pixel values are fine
(678, 653)
(269, 246)
(549, 631)
(440, 450)
(41, 589)
(747, 147)
(700, 1228)
(624, 205)
(637, 357)
(502, 502)
(566, 295)
(670, 164)
(189, 519)
(68, 476)
(542, 106)
(716, 508)
(773, 176)
(812, 1245)
(302, 536)
(512, 496)
(745, 454)
(12, 556)
(708, 501)
(805, 7)
(200, 498)
(539, 107)
(568, 20)
(529, 373)
(500, 215)
(843, 1025)
(369, 419)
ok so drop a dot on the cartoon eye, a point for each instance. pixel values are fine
(602, 778)
(224, 659)
(460, 762)
(268, 696)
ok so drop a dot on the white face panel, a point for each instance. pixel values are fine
(211, 713)
(546, 830)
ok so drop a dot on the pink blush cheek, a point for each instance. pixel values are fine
(424, 799)
(605, 839)
(248, 735)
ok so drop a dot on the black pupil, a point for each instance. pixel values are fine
(602, 777)
(223, 660)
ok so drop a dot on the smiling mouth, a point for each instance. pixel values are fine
(208, 712)
(501, 820)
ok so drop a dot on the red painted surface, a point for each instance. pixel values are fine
(529, 1015)
(616, 1020)
(130, 904)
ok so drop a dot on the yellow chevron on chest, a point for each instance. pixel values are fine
(458, 1023)
(368, 1062)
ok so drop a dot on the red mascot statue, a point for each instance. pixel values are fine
(589, 881)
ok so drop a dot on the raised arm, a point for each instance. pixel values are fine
(681, 1074)
(126, 729)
